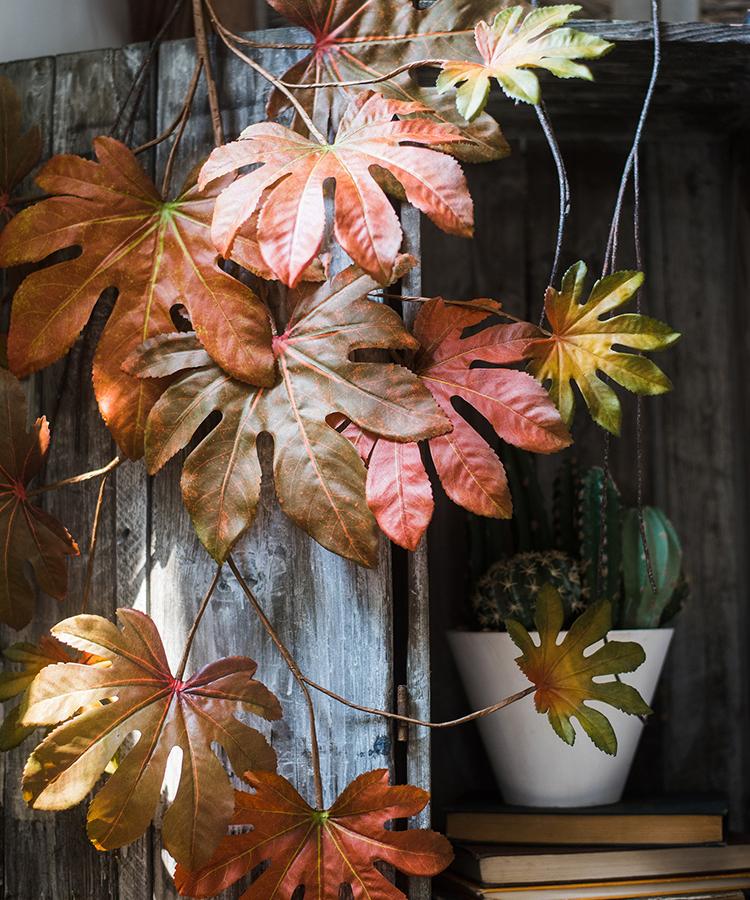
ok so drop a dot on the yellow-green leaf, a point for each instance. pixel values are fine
(512, 45)
(564, 676)
(582, 345)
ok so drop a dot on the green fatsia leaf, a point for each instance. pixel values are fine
(510, 47)
(582, 344)
(318, 475)
(563, 675)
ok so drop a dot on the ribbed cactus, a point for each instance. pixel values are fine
(600, 536)
(644, 608)
(510, 587)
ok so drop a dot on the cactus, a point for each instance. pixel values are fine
(644, 608)
(600, 541)
(510, 586)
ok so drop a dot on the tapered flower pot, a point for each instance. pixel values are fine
(532, 765)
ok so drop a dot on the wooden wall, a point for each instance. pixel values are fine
(338, 619)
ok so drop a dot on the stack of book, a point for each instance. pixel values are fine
(666, 849)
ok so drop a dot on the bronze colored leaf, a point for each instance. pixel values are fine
(321, 850)
(156, 252)
(29, 535)
(143, 696)
(320, 480)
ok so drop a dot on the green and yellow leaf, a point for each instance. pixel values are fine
(564, 676)
(510, 47)
(582, 345)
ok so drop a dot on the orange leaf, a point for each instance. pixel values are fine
(321, 850)
(28, 534)
(157, 253)
(143, 696)
(319, 479)
(288, 186)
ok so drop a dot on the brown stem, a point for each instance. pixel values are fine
(154, 142)
(93, 543)
(406, 67)
(294, 669)
(495, 312)
(76, 479)
(183, 120)
(201, 41)
(196, 622)
(271, 79)
(451, 723)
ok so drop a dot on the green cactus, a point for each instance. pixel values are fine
(644, 607)
(600, 540)
(510, 586)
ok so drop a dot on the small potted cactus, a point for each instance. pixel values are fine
(592, 552)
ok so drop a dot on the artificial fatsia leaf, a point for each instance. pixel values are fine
(320, 480)
(143, 696)
(288, 186)
(28, 534)
(353, 41)
(158, 253)
(321, 850)
(32, 658)
(564, 676)
(19, 152)
(510, 47)
(582, 345)
(469, 469)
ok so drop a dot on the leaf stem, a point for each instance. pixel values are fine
(201, 42)
(182, 122)
(196, 622)
(93, 543)
(475, 305)
(451, 723)
(77, 479)
(224, 34)
(297, 675)
(406, 67)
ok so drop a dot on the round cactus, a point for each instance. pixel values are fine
(509, 588)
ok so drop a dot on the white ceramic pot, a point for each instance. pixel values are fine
(532, 765)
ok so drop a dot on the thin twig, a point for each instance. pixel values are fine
(564, 184)
(271, 79)
(196, 622)
(201, 42)
(184, 117)
(297, 675)
(93, 543)
(452, 723)
(76, 479)
(160, 138)
(406, 67)
(474, 305)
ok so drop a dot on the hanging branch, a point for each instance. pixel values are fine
(564, 187)
(77, 479)
(201, 41)
(183, 120)
(224, 34)
(296, 674)
(196, 622)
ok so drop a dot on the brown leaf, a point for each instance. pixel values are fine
(143, 696)
(28, 534)
(320, 480)
(157, 253)
(321, 850)
(287, 188)
(19, 152)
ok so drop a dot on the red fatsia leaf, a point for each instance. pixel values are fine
(19, 152)
(354, 40)
(288, 187)
(469, 469)
(321, 850)
(138, 693)
(157, 253)
(319, 479)
(28, 534)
